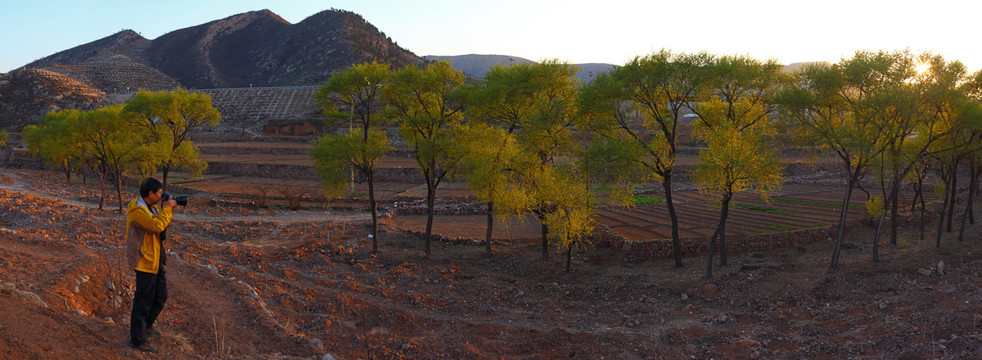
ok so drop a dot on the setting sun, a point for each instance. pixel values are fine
(922, 68)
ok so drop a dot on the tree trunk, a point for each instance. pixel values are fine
(894, 211)
(842, 224)
(165, 170)
(968, 204)
(976, 171)
(724, 213)
(676, 242)
(487, 235)
(886, 203)
(569, 257)
(919, 195)
(370, 175)
(720, 229)
(709, 257)
(953, 191)
(876, 238)
(430, 204)
(119, 187)
(545, 237)
(941, 219)
(102, 188)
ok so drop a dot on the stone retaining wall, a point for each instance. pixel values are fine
(634, 250)
(399, 175)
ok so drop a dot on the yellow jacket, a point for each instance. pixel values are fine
(143, 246)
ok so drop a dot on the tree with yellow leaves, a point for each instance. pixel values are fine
(535, 105)
(54, 141)
(735, 125)
(636, 108)
(167, 119)
(359, 89)
(424, 102)
(734, 160)
(490, 156)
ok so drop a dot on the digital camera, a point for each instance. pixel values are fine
(181, 200)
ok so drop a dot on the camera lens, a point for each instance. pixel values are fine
(181, 200)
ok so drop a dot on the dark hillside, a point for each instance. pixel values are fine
(117, 74)
(200, 56)
(126, 42)
(257, 48)
(253, 49)
(261, 49)
(29, 94)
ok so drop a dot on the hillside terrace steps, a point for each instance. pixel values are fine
(254, 107)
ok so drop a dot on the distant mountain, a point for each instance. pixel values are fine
(792, 67)
(478, 65)
(591, 69)
(257, 48)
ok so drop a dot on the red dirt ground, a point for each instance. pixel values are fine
(277, 284)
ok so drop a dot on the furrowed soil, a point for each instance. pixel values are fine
(280, 284)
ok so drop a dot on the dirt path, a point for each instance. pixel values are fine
(22, 185)
(257, 288)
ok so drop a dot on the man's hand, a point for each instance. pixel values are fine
(171, 203)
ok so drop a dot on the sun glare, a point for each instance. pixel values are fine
(922, 68)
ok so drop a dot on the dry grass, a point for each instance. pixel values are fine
(181, 341)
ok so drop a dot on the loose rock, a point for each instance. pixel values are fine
(709, 291)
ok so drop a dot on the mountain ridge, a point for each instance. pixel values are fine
(478, 64)
(255, 48)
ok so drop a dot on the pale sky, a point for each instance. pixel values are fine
(577, 31)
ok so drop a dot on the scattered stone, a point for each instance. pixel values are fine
(328, 357)
(883, 305)
(81, 312)
(924, 272)
(29, 296)
(941, 268)
(709, 291)
(685, 297)
(317, 344)
(109, 319)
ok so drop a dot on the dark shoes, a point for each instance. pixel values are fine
(144, 347)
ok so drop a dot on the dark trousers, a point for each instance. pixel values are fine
(148, 300)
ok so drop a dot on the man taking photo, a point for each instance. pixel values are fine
(145, 252)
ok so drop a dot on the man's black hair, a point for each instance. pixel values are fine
(150, 185)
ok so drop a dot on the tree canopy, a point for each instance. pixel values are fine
(359, 89)
(167, 119)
